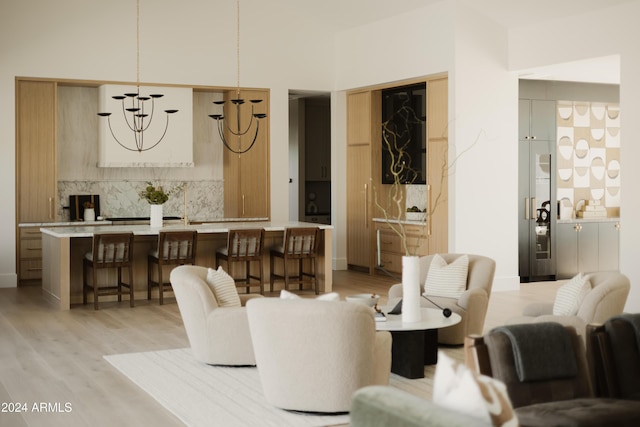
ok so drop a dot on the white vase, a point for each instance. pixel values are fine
(411, 289)
(156, 216)
(89, 214)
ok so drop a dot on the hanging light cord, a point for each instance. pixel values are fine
(138, 44)
(237, 46)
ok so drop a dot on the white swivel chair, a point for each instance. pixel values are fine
(217, 335)
(313, 355)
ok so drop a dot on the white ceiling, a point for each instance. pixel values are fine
(344, 14)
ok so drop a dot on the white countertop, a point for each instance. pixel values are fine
(105, 222)
(395, 221)
(576, 220)
(146, 230)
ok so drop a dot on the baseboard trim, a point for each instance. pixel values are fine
(9, 280)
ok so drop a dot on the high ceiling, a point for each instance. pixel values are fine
(343, 14)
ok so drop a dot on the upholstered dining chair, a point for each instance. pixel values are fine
(299, 244)
(613, 350)
(471, 303)
(313, 355)
(174, 248)
(244, 246)
(109, 250)
(545, 370)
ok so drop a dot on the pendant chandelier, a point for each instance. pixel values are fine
(135, 108)
(239, 131)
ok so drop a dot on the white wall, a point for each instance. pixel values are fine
(607, 32)
(484, 125)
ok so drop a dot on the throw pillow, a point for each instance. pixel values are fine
(570, 296)
(447, 280)
(331, 296)
(458, 388)
(223, 287)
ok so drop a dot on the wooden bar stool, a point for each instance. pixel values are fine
(299, 244)
(174, 248)
(244, 246)
(109, 250)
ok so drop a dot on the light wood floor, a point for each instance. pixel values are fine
(55, 358)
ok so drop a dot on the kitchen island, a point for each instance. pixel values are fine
(63, 249)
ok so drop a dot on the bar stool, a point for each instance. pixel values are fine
(244, 246)
(299, 244)
(174, 248)
(109, 250)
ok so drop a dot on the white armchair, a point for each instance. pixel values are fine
(607, 298)
(471, 305)
(313, 355)
(217, 335)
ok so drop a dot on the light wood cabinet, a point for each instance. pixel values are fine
(246, 176)
(36, 186)
(437, 158)
(358, 205)
(391, 249)
(360, 115)
(364, 179)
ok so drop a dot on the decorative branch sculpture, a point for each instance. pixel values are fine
(396, 137)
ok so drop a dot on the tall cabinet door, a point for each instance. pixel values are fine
(246, 183)
(36, 188)
(537, 199)
(36, 151)
(358, 205)
(359, 173)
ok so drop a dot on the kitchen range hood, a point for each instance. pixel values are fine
(176, 147)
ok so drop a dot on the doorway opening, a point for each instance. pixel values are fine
(310, 156)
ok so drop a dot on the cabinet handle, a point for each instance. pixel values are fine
(428, 218)
(617, 226)
(577, 227)
(51, 208)
(526, 208)
(366, 206)
(243, 204)
(533, 137)
(533, 209)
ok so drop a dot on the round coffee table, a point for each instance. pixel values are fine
(415, 344)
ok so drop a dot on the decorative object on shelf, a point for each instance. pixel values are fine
(415, 214)
(239, 132)
(137, 118)
(89, 212)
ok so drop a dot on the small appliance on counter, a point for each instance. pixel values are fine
(78, 203)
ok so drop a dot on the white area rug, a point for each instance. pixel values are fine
(202, 395)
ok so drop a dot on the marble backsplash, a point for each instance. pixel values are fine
(204, 199)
